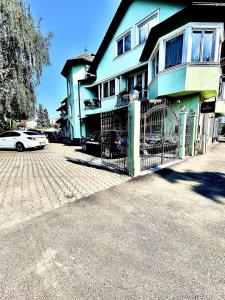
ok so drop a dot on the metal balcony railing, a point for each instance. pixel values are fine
(92, 104)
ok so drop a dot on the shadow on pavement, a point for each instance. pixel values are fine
(90, 164)
(210, 185)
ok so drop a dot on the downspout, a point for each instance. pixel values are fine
(79, 110)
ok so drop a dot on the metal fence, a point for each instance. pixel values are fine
(114, 139)
(159, 134)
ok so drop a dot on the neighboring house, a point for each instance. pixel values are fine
(163, 49)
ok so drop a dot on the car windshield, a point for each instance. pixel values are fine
(32, 133)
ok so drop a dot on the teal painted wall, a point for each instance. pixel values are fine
(138, 10)
(168, 82)
(190, 102)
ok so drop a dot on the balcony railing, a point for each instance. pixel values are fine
(123, 98)
(92, 104)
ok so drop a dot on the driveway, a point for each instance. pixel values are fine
(35, 182)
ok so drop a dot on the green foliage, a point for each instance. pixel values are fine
(23, 53)
(43, 118)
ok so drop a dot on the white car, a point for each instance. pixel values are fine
(22, 140)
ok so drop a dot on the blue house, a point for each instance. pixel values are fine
(164, 49)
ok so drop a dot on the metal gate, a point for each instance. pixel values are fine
(114, 139)
(159, 135)
(188, 135)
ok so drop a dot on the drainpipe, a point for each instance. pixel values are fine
(79, 109)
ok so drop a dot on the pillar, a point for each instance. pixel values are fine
(134, 114)
(183, 121)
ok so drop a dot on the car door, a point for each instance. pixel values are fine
(5, 140)
(15, 136)
(93, 142)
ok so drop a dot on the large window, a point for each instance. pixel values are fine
(124, 44)
(107, 89)
(174, 49)
(144, 28)
(203, 46)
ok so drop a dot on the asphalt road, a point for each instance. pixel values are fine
(161, 236)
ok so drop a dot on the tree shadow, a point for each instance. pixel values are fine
(210, 185)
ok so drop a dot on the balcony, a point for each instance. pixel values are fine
(186, 79)
(63, 109)
(92, 104)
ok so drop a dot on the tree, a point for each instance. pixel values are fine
(47, 120)
(42, 117)
(23, 53)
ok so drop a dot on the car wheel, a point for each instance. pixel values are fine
(84, 147)
(42, 147)
(20, 147)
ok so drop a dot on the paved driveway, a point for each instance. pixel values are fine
(34, 182)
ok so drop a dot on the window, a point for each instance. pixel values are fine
(32, 133)
(5, 134)
(143, 29)
(109, 89)
(69, 86)
(155, 65)
(15, 134)
(203, 46)
(70, 110)
(106, 90)
(138, 82)
(174, 49)
(112, 87)
(124, 44)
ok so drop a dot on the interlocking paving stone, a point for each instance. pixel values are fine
(37, 181)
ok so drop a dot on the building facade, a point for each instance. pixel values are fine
(164, 49)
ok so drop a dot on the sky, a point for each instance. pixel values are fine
(76, 24)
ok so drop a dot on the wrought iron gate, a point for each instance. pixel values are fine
(114, 139)
(159, 135)
(188, 135)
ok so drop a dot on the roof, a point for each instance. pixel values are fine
(124, 5)
(192, 13)
(83, 59)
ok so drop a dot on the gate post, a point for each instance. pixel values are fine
(191, 150)
(183, 122)
(134, 115)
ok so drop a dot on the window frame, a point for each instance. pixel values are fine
(183, 45)
(101, 94)
(201, 50)
(122, 37)
(143, 22)
(144, 74)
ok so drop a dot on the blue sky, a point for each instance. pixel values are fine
(75, 24)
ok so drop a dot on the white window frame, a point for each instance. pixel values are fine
(101, 88)
(122, 37)
(143, 22)
(203, 30)
(135, 79)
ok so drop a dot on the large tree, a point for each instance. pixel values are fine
(24, 50)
